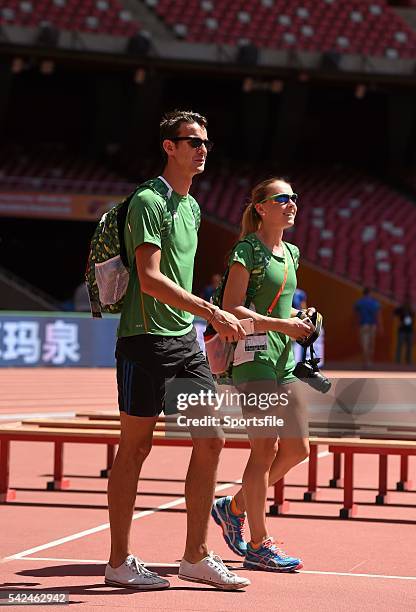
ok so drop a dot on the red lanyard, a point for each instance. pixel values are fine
(279, 293)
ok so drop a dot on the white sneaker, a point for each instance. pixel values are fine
(211, 570)
(132, 574)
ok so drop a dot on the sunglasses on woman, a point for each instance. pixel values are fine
(281, 198)
(195, 142)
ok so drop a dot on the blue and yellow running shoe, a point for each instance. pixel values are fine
(270, 558)
(232, 525)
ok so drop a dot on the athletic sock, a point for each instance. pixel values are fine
(234, 508)
(255, 546)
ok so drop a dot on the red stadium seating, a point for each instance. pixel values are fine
(53, 170)
(368, 27)
(347, 222)
(97, 16)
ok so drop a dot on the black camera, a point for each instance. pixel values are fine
(307, 370)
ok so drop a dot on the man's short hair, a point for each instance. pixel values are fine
(171, 123)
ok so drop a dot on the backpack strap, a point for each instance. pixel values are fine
(260, 262)
(121, 224)
(166, 228)
(257, 274)
(196, 211)
(294, 253)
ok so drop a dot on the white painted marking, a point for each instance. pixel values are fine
(104, 526)
(137, 515)
(151, 564)
(357, 565)
(359, 575)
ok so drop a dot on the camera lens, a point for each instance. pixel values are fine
(311, 377)
(324, 384)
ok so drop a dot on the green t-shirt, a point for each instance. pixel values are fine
(143, 313)
(279, 354)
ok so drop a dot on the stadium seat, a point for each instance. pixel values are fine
(357, 227)
(361, 27)
(359, 245)
(100, 16)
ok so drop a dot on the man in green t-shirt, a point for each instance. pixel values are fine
(157, 348)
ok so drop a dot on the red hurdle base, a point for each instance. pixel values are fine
(279, 505)
(9, 495)
(58, 485)
(404, 485)
(277, 510)
(336, 480)
(346, 513)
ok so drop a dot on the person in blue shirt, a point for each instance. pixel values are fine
(368, 312)
(299, 299)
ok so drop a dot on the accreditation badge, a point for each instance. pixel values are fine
(256, 342)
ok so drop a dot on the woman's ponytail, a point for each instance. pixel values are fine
(250, 222)
(251, 219)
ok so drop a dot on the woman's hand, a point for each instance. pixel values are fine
(310, 311)
(295, 328)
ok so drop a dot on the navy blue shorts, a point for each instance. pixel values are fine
(152, 370)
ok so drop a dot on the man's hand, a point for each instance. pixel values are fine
(228, 326)
(295, 328)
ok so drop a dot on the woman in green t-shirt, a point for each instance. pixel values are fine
(263, 368)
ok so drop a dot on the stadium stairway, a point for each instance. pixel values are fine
(17, 294)
(148, 19)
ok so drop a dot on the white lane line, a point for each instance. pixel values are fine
(35, 415)
(87, 532)
(358, 575)
(357, 565)
(137, 515)
(151, 564)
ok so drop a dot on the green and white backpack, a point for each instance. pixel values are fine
(107, 274)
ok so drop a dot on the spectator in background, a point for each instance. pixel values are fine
(406, 318)
(368, 312)
(299, 299)
(208, 290)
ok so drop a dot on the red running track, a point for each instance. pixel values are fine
(59, 540)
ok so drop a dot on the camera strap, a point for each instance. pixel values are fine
(279, 293)
(312, 353)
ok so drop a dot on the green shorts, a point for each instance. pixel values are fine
(258, 370)
(258, 384)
